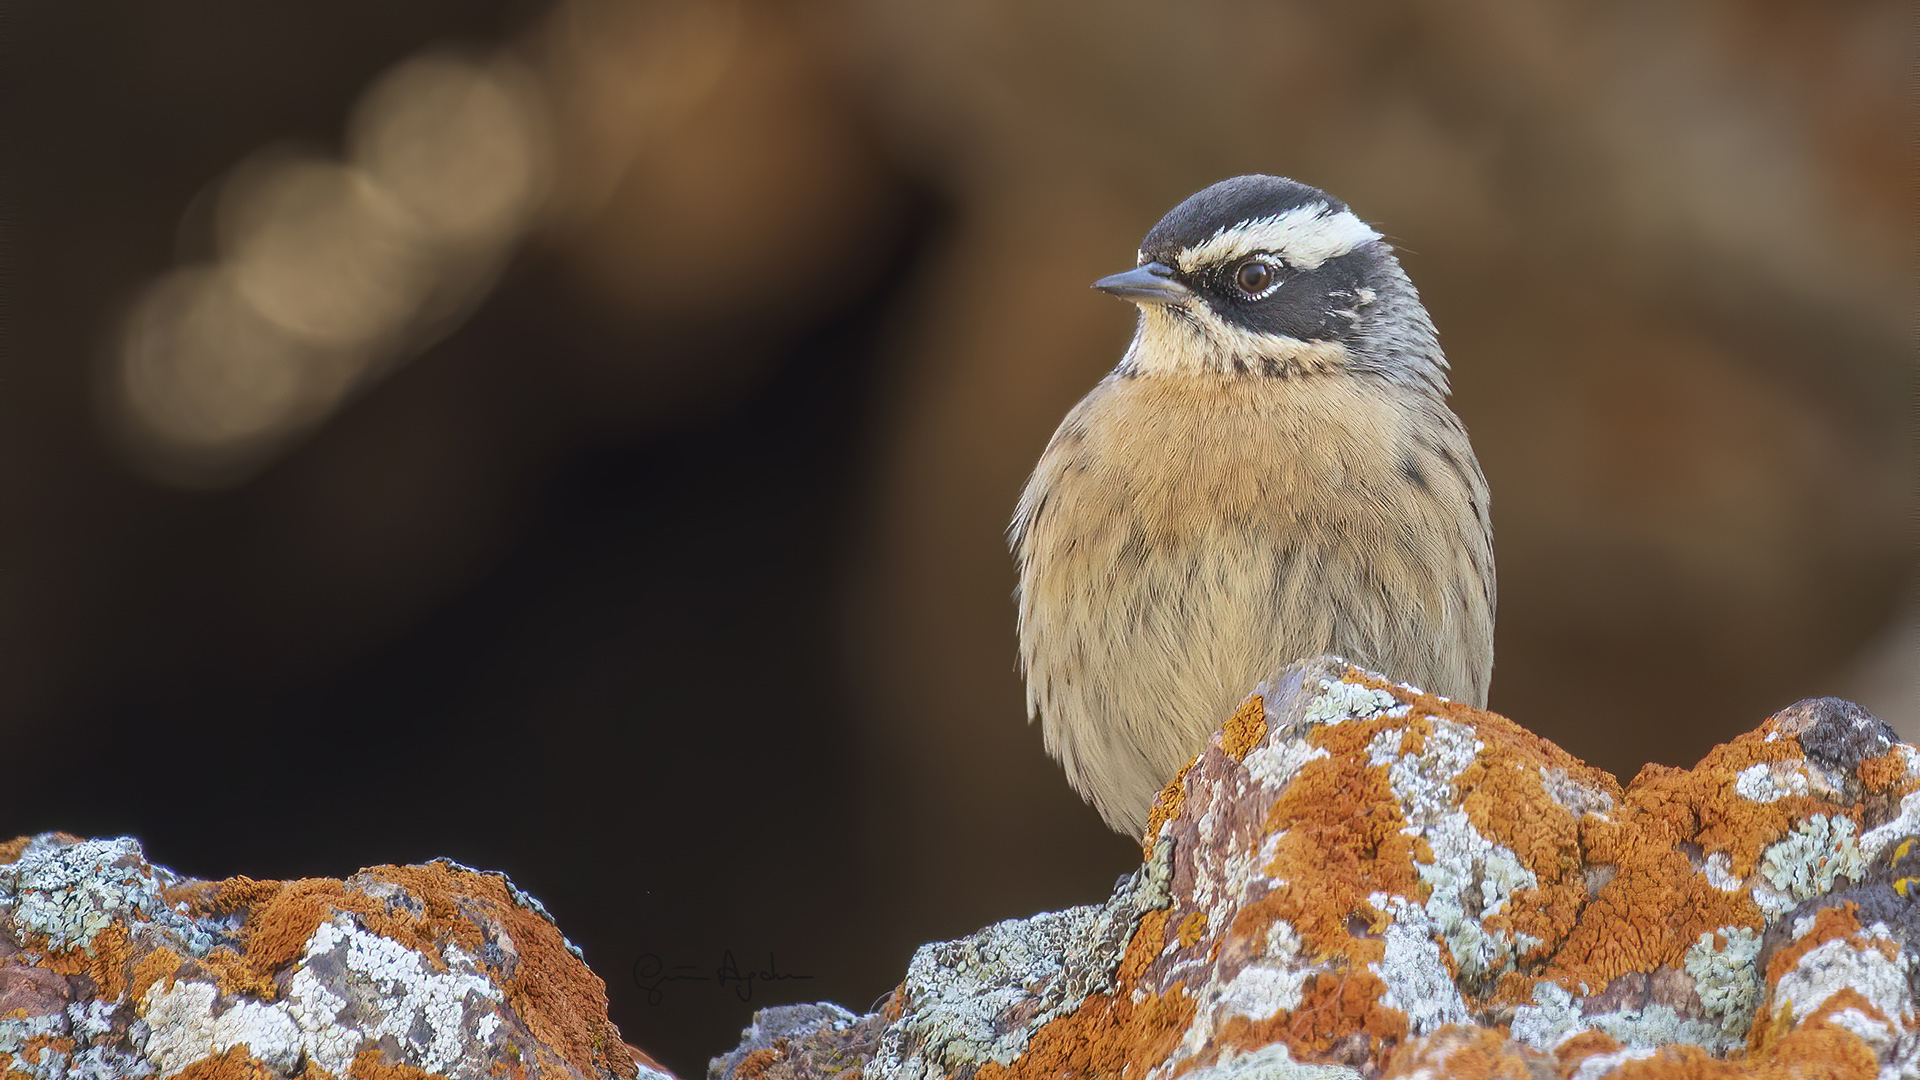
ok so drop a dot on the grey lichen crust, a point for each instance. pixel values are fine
(981, 998)
(71, 892)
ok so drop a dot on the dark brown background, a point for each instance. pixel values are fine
(672, 582)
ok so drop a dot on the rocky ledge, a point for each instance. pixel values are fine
(1356, 879)
(112, 968)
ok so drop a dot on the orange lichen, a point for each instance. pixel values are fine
(1107, 1036)
(562, 1001)
(1342, 841)
(1579, 1047)
(280, 920)
(152, 968)
(1820, 1048)
(1840, 921)
(1504, 794)
(759, 1061)
(1148, 939)
(1817, 1049)
(235, 894)
(1512, 988)
(232, 1064)
(1796, 1038)
(106, 960)
(1332, 1008)
(235, 975)
(1783, 1046)
(1769, 1029)
(282, 916)
(1192, 929)
(1887, 773)
(11, 849)
(1661, 810)
(369, 1065)
(437, 885)
(1166, 806)
(1245, 728)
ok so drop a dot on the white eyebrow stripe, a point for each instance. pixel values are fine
(1305, 236)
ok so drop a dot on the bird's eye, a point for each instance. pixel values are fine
(1253, 277)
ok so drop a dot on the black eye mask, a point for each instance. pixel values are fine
(1304, 304)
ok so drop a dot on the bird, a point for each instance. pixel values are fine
(1271, 472)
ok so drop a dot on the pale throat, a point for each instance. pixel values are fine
(1200, 342)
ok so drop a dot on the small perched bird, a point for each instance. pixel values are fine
(1270, 473)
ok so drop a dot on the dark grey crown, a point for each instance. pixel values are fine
(1228, 203)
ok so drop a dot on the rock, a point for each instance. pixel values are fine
(111, 967)
(802, 1042)
(1358, 879)
(1355, 879)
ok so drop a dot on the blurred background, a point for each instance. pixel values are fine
(575, 437)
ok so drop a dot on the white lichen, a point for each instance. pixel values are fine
(1833, 966)
(1598, 1066)
(1659, 1025)
(1725, 979)
(1770, 781)
(1553, 1017)
(1417, 981)
(1470, 878)
(1804, 863)
(1282, 940)
(1341, 701)
(1876, 1033)
(961, 993)
(1260, 991)
(350, 989)
(1271, 1062)
(394, 992)
(1274, 763)
(96, 1055)
(1718, 868)
(71, 892)
(1556, 1016)
(1580, 798)
(182, 1028)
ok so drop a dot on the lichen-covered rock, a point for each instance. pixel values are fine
(980, 999)
(802, 1042)
(1366, 880)
(111, 967)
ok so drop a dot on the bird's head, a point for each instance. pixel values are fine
(1261, 276)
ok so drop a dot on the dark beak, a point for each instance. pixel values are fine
(1149, 284)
